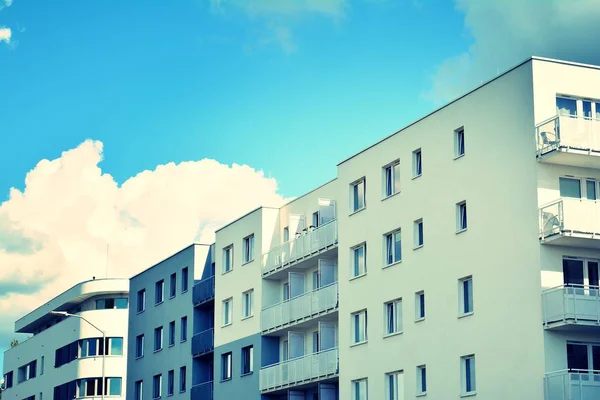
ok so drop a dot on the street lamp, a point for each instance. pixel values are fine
(104, 344)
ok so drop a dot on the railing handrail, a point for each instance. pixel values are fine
(570, 285)
(544, 122)
(204, 280)
(303, 294)
(204, 331)
(557, 116)
(552, 203)
(296, 238)
(299, 358)
(202, 384)
(573, 371)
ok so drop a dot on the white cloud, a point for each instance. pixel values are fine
(8, 3)
(54, 233)
(506, 32)
(5, 34)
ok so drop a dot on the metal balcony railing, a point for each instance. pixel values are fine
(571, 304)
(204, 290)
(572, 385)
(202, 391)
(568, 132)
(300, 308)
(309, 243)
(570, 216)
(296, 371)
(203, 342)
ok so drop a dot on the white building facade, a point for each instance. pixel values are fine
(78, 337)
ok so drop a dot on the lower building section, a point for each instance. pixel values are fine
(236, 374)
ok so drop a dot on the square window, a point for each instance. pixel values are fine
(417, 159)
(357, 195)
(121, 303)
(391, 179)
(141, 300)
(185, 279)
(170, 383)
(139, 346)
(465, 288)
(359, 389)
(461, 216)
(158, 338)
(173, 285)
(393, 317)
(569, 187)
(172, 333)
(359, 263)
(228, 258)
(183, 336)
(159, 292)
(392, 247)
(227, 311)
(421, 380)
(418, 233)
(247, 360)
(359, 327)
(248, 249)
(394, 385)
(419, 306)
(467, 372)
(247, 303)
(183, 379)
(459, 142)
(226, 366)
(156, 386)
(566, 106)
(139, 390)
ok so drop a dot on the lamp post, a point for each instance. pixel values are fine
(104, 344)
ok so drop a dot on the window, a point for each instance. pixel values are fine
(393, 317)
(359, 264)
(286, 291)
(139, 390)
(394, 385)
(467, 372)
(359, 389)
(419, 306)
(286, 234)
(247, 303)
(357, 195)
(42, 365)
(461, 216)
(170, 383)
(466, 295)
(417, 163)
(172, 333)
(391, 179)
(569, 187)
(583, 356)
(459, 142)
(183, 379)
(27, 371)
(590, 189)
(139, 346)
(393, 247)
(173, 285)
(183, 335)
(315, 219)
(227, 259)
(316, 280)
(566, 106)
(114, 386)
(226, 366)
(421, 380)
(418, 233)
(359, 327)
(141, 300)
(156, 386)
(248, 249)
(158, 338)
(315, 341)
(185, 279)
(115, 346)
(227, 311)
(247, 360)
(159, 292)
(8, 380)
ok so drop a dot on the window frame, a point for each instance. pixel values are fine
(185, 279)
(394, 179)
(173, 285)
(227, 250)
(160, 283)
(248, 295)
(461, 216)
(143, 344)
(248, 244)
(468, 382)
(183, 329)
(247, 351)
(139, 390)
(170, 382)
(470, 302)
(459, 142)
(356, 387)
(420, 306)
(172, 334)
(396, 310)
(229, 314)
(354, 341)
(357, 184)
(418, 234)
(157, 393)
(141, 292)
(182, 379)
(421, 380)
(417, 163)
(397, 391)
(226, 359)
(386, 248)
(354, 261)
(162, 342)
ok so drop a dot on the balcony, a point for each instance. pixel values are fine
(203, 342)
(569, 140)
(570, 222)
(306, 245)
(566, 307)
(204, 291)
(301, 370)
(301, 308)
(202, 391)
(572, 385)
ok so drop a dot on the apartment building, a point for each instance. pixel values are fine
(162, 324)
(78, 346)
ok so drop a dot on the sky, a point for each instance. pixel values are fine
(140, 127)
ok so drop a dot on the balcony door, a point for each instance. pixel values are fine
(326, 335)
(583, 357)
(580, 276)
(326, 272)
(295, 345)
(295, 395)
(326, 211)
(327, 391)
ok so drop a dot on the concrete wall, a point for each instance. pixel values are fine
(239, 386)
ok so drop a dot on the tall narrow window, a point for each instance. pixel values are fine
(227, 258)
(461, 216)
(172, 333)
(467, 364)
(227, 311)
(315, 219)
(139, 390)
(183, 379)
(158, 338)
(185, 279)
(590, 189)
(359, 389)
(286, 234)
(141, 300)
(173, 285)
(418, 233)
(417, 163)
(393, 317)
(42, 366)
(394, 386)
(466, 295)
(459, 142)
(247, 303)
(359, 263)
(391, 178)
(247, 360)
(316, 280)
(421, 380)
(393, 247)
(419, 306)
(183, 337)
(156, 386)
(159, 292)
(315, 341)
(286, 291)
(357, 195)
(248, 249)
(170, 383)
(359, 327)
(139, 346)
(226, 366)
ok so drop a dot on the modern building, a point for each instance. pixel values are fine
(78, 338)
(163, 323)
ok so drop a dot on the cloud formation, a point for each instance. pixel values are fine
(5, 34)
(506, 32)
(55, 232)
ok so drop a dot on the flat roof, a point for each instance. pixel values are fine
(245, 215)
(171, 256)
